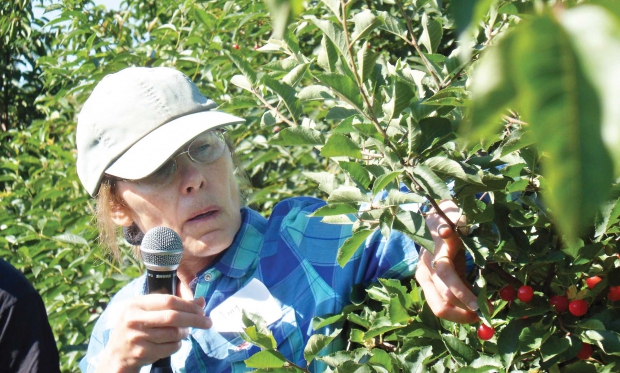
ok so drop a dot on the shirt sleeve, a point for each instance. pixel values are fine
(26, 340)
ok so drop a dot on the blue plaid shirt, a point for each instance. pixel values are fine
(294, 255)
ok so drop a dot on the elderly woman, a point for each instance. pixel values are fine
(151, 149)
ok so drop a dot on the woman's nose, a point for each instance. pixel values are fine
(191, 174)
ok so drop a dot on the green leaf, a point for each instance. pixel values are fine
(430, 182)
(432, 34)
(334, 32)
(315, 92)
(393, 25)
(565, 116)
(460, 351)
(266, 359)
(508, 341)
(351, 245)
(263, 340)
(413, 225)
(433, 131)
(328, 55)
(365, 21)
(493, 89)
(348, 194)
(294, 136)
(357, 172)
(316, 343)
(554, 346)
(396, 198)
(401, 96)
(449, 167)
(607, 340)
(295, 75)
(366, 60)
(382, 181)
(286, 93)
(344, 86)
(244, 67)
(341, 146)
(335, 209)
(594, 32)
(477, 248)
(71, 238)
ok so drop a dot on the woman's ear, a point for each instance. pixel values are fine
(120, 215)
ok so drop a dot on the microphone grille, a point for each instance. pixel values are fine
(161, 249)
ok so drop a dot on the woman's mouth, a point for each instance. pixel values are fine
(203, 215)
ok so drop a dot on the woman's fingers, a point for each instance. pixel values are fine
(446, 272)
(152, 327)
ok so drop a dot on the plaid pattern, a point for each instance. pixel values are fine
(295, 257)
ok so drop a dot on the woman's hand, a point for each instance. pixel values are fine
(151, 327)
(445, 287)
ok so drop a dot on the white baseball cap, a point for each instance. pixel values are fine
(136, 119)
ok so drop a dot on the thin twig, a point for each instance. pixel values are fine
(414, 43)
(505, 275)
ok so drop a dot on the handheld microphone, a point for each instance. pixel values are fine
(161, 251)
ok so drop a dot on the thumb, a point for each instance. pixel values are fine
(200, 302)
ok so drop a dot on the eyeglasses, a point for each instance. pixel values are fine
(204, 149)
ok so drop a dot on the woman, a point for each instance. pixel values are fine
(150, 149)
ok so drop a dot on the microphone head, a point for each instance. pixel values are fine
(161, 249)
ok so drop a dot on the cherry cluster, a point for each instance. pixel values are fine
(560, 303)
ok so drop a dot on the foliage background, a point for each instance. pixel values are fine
(402, 98)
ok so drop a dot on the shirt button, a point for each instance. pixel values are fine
(208, 277)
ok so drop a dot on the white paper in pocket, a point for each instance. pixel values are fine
(254, 298)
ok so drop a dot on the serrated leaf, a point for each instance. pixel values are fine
(71, 238)
(357, 172)
(382, 181)
(413, 225)
(449, 167)
(432, 34)
(263, 340)
(396, 197)
(327, 182)
(335, 209)
(294, 136)
(244, 67)
(315, 92)
(401, 96)
(478, 250)
(459, 350)
(334, 6)
(348, 194)
(430, 182)
(316, 343)
(341, 146)
(607, 340)
(328, 55)
(266, 359)
(334, 32)
(351, 245)
(561, 104)
(344, 86)
(295, 75)
(366, 60)
(286, 93)
(365, 21)
(594, 31)
(393, 25)
(241, 82)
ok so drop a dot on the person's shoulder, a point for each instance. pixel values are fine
(13, 283)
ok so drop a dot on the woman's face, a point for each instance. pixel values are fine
(201, 203)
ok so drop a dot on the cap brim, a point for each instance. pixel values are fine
(154, 149)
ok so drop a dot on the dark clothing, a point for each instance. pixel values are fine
(26, 340)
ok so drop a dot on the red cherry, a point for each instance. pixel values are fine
(526, 293)
(485, 332)
(592, 281)
(508, 293)
(586, 351)
(614, 293)
(236, 46)
(560, 303)
(578, 307)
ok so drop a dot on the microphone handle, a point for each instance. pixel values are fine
(161, 282)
